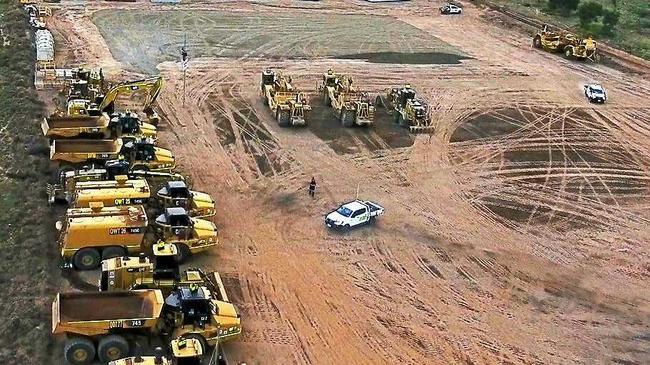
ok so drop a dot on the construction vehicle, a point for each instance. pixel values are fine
(87, 235)
(120, 191)
(569, 44)
(352, 107)
(183, 352)
(409, 110)
(190, 235)
(160, 272)
(114, 319)
(287, 105)
(64, 189)
(122, 125)
(177, 194)
(141, 154)
(83, 106)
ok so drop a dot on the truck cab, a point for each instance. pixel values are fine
(144, 155)
(129, 124)
(193, 313)
(191, 235)
(177, 194)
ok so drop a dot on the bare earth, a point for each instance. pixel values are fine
(516, 234)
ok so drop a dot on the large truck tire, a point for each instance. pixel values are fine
(113, 251)
(326, 97)
(348, 117)
(112, 347)
(184, 253)
(283, 117)
(79, 351)
(568, 52)
(86, 259)
(537, 41)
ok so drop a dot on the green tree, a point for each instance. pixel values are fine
(610, 19)
(564, 6)
(588, 12)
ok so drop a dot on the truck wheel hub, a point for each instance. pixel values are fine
(80, 355)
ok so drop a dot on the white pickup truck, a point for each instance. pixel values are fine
(354, 213)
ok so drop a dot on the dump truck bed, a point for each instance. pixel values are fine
(73, 126)
(80, 150)
(93, 313)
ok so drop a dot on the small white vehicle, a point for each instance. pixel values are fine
(354, 213)
(595, 93)
(450, 9)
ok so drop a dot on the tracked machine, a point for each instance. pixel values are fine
(568, 44)
(351, 106)
(408, 110)
(287, 104)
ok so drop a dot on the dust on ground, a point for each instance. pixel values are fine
(517, 233)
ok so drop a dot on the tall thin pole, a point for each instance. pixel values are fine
(184, 63)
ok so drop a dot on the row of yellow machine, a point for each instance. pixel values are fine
(136, 220)
(351, 106)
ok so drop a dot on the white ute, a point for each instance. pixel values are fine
(450, 9)
(595, 93)
(354, 213)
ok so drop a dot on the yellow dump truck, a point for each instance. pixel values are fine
(351, 106)
(287, 105)
(183, 352)
(161, 271)
(63, 190)
(177, 194)
(141, 154)
(190, 235)
(120, 191)
(103, 324)
(87, 235)
(122, 125)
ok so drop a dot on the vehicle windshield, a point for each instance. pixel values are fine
(597, 91)
(344, 211)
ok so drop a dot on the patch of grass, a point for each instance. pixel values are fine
(632, 33)
(29, 274)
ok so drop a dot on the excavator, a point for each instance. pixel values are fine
(351, 106)
(82, 104)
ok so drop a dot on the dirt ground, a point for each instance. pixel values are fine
(516, 234)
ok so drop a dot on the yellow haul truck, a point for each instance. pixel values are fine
(88, 235)
(161, 271)
(177, 194)
(104, 325)
(183, 352)
(64, 189)
(120, 191)
(190, 235)
(141, 154)
(122, 125)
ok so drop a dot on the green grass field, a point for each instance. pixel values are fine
(632, 33)
(29, 274)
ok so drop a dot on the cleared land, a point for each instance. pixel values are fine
(517, 233)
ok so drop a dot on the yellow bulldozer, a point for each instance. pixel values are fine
(351, 106)
(183, 352)
(409, 110)
(569, 44)
(287, 105)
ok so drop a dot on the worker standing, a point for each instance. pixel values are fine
(312, 187)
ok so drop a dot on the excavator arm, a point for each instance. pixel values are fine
(151, 85)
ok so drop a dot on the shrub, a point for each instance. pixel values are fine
(588, 12)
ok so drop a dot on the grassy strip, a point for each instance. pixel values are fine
(631, 34)
(29, 274)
